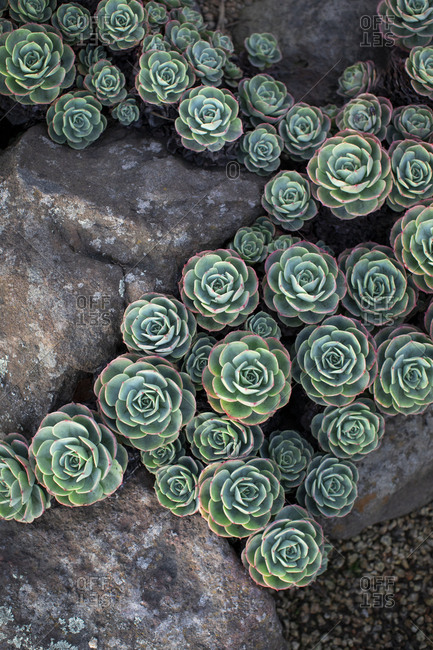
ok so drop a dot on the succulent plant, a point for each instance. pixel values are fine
(106, 82)
(288, 553)
(351, 431)
(219, 288)
(378, 290)
(181, 36)
(207, 62)
(265, 226)
(197, 357)
(335, 361)
(163, 77)
(120, 23)
(263, 324)
(264, 99)
(304, 129)
(248, 377)
(404, 383)
(330, 487)
(88, 56)
(239, 497)
(5, 26)
(282, 243)
(366, 113)
(74, 22)
(220, 40)
(351, 174)
(412, 240)
(35, 64)
(176, 486)
(232, 73)
(216, 438)
(155, 42)
(331, 110)
(419, 66)
(156, 14)
(126, 112)
(410, 23)
(260, 150)
(361, 77)
(412, 173)
(250, 244)
(145, 399)
(75, 119)
(287, 198)
(21, 498)
(428, 319)
(208, 119)
(292, 454)
(168, 454)
(413, 122)
(31, 11)
(158, 324)
(303, 284)
(76, 458)
(185, 14)
(262, 50)
(3, 6)
(328, 249)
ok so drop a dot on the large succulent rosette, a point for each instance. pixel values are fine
(76, 119)
(366, 113)
(358, 78)
(120, 23)
(31, 11)
(351, 431)
(176, 486)
(264, 99)
(304, 129)
(292, 454)
(288, 553)
(248, 377)
(76, 458)
(351, 174)
(411, 122)
(419, 66)
(412, 173)
(408, 21)
(21, 498)
(207, 62)
(303, 284)
(163, 77)
(145, 400)
(330, 487)
(74, 23)
(412, 240)
(335, 361)
(287, 198)
(239, 497)
(219, 288)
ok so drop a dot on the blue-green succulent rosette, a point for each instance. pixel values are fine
(366, 113)
(176, 486)
(287, 199)
(264, 99)
(412, 173)
(411, 122)
(304, 129)
(260, 150)
(412, 240)
(263, 50)
(120, 23)
(74, 22)
(408, 23)
(28, 11)
(361, 77)
(76, 119)
(163, 77)
(292, 454)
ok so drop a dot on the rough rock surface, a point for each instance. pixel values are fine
(83, 233)
(395, 479)
(318, 40)
(126, 575)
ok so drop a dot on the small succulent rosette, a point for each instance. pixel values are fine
(292, 454)
(412, 240)
(176, 486)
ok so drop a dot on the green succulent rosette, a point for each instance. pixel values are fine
(408, 21)
(126, 112)
(288, 553)
(177, 4)
(366, 113)
(196, 358)
(361, 77)
(335, 361)
(379, 292)
(351, 174)
(260, 150)
(74, 22)
(330, 487)
(5, 26)
(263, 50)
(176, 486)
(219, 288)
(185, 14)
(106, 82)
(292, 454)
(180, 37)
(88, 56)
(304, 129)
(168, 454)
(232, 74)
(412, 240)
(264, 99)
(35, 64)
(220, 40)
(207, 62)
(331, 110)
(163, 77)
(428, 319)
(155, 42)
(263, 324)
(75, 119)
(248, 377)
(287, 199)
(145, 400)
(76, 457)
(404, 383)
(412, 173)
(250, 244)
(411, 122)
(282, 243)
(21, 498)
(3, 6)
(156, 15)
(303, 284)
(264, 226)
(120, 23)
(31, 11)
(419, 66)
(351, 431)
(238, 497)
(216, 437)
(208, 119)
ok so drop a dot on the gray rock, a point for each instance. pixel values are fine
(125, 574)
(82, 234)
(318, 40)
